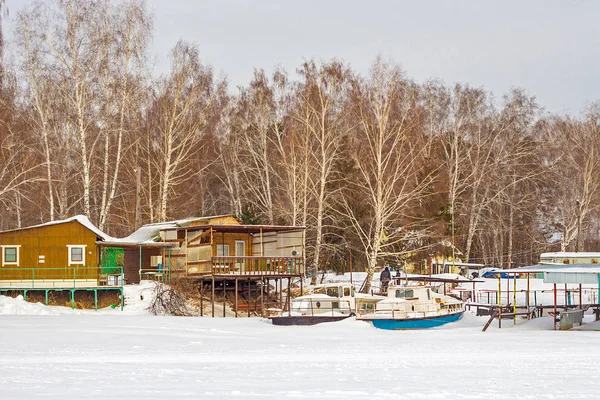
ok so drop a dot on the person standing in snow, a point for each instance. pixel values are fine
(385, 278)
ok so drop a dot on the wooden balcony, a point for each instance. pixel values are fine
(257, 265)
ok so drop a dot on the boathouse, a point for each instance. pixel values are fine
(214, 251)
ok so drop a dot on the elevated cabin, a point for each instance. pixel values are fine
(209, 246)
(55, 254)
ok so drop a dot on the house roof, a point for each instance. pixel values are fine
(82, 219)
(149, 234)
(246, 228)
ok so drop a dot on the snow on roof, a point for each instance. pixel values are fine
(567, 268)
(457, 264)
(185, 221)
(82, 219)
(570, 255)
(147, 234)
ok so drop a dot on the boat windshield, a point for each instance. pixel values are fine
(402, 293)
(329, 291)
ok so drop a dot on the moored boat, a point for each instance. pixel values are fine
(328, 303)
(414, 307)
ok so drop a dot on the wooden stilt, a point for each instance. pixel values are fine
(262, 297)
(236, 297)
(224, 295)
(212, 300)
(202, 297)
(281, 294)
(288, 297)
(268, 290)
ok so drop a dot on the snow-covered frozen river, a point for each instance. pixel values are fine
(141, 357)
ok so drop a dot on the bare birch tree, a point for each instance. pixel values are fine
(123, 38)
(386, 158)
(257, 112)
(322, 96)
(575, 146)
(180, 119)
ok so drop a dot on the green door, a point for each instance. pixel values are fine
(112, 257)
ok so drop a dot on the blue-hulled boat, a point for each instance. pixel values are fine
(414, 307)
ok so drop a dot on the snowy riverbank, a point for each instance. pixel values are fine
(113, 354)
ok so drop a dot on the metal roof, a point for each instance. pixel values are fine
(243, 228)
(564, 273)
(568, 268)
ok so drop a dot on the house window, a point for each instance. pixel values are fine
(222, 250)
(10, 255)
(76, 254)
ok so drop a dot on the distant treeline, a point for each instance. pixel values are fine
(376, 166)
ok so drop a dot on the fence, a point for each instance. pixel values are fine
(257, 265)
(67, 277)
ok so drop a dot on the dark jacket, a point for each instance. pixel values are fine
(385, 275)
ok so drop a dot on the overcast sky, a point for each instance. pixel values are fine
(549, 47)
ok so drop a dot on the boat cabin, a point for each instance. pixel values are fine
(334, 298)
(417, 300)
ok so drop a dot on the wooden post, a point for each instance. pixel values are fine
(580, 301)
(267, 290)
(186, 251)
(288, 297)
(248, 301)
(236, 297)
(213, 295)
(202, 297)
(224, 295)
(262, 298)
(262, 248)
(281, 293)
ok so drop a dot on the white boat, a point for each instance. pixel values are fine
(413, 307)
(328, 302)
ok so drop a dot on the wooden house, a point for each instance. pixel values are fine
(57, 254)
(209, 246)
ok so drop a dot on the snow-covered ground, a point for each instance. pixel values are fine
(56, 352)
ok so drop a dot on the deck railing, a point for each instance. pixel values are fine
(251, 265)
(66, 277)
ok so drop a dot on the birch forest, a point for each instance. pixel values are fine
(379, 168)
